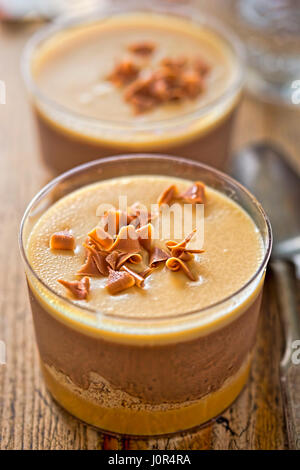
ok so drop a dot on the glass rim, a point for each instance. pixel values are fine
(189, 12)
(87, 166)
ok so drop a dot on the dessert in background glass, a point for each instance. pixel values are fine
(84, 113)
(160, 357)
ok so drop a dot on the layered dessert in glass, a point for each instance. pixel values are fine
(145, 277)
(142, 78)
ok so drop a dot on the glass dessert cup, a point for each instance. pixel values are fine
(145, 376)
(70, 138)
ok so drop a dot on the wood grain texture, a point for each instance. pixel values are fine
(29, 419)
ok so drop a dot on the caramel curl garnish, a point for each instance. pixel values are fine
(176, 264)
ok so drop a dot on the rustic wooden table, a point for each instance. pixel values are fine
(29, 419)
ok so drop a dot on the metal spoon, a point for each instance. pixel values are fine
(264, 170)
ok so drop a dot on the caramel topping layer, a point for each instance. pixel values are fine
(233, 248)
(63, 240)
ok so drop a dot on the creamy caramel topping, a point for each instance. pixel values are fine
(87, 55)
(233, 249)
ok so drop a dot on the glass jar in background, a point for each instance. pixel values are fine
(203, 133)
(270, 31)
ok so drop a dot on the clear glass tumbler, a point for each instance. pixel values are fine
(137, 376)
(69, 138)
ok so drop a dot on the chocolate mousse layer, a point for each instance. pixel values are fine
(62, 150)
(176, 372)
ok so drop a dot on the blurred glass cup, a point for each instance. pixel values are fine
(270, 30)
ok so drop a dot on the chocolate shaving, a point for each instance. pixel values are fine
(119, 281)
(89, 268)
(143, 48)
(180, 250)
(167, 195)
(139, 215)
(99, 258)
(145, 235)
(175, 79)
(157, 256)
(134, 258)
(112, 259)
(139, 280)
(114, 220)
(192, 84)
(195, 194)
(146, 272)
(123, 73)
(63, 240)
(127, 241)
(176, 264)
(140, 95)
(101, 239)
(79, 289)
(174, 64)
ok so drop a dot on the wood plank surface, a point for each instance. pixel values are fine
(29, 419)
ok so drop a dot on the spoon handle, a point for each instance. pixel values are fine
(290, 363)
